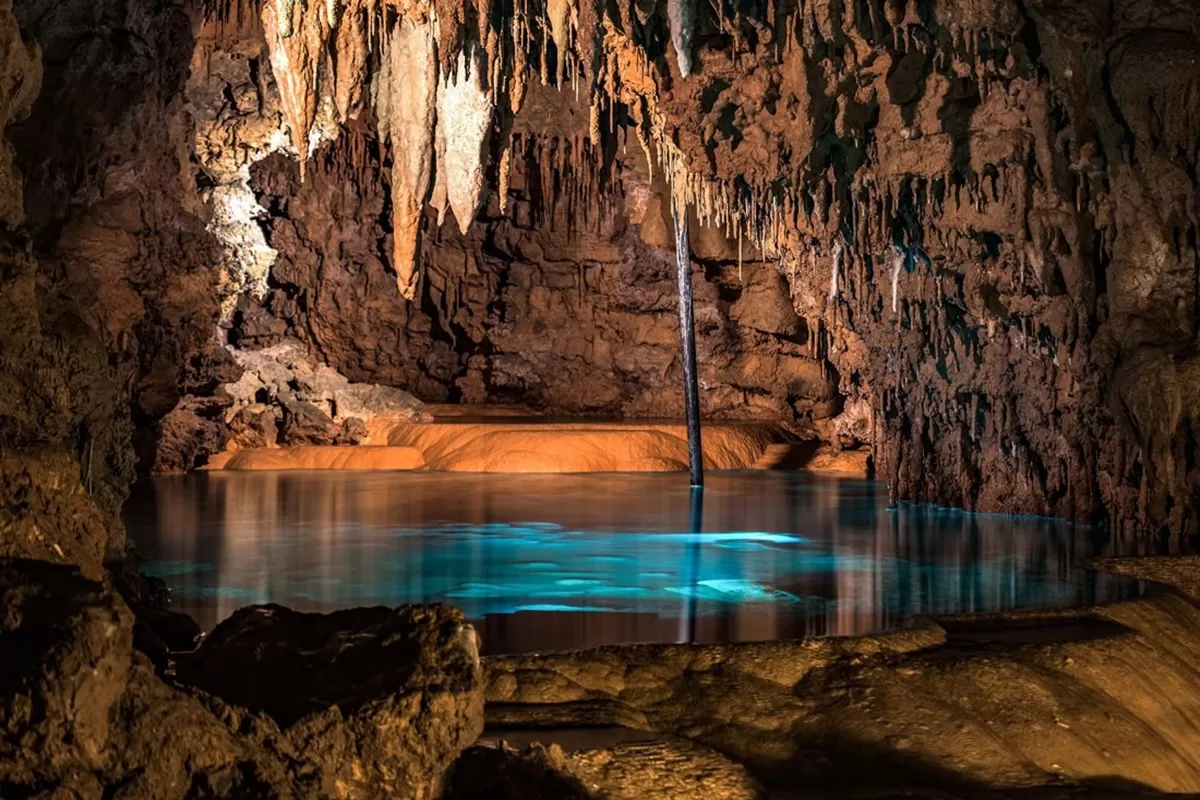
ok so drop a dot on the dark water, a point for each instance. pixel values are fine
(544, 562)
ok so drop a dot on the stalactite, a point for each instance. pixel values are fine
(353, 54)
(838, 254)
(897, 265)
(558, 14)
(682, 17)
(296, 54)
(464, 120)
(285, 26)
(505, 177)
(449, 18)
(412, 95)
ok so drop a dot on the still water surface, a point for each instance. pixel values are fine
(560, 561)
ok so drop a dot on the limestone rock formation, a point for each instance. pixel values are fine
(1011, 701)
(65, 463)
(986, 231)
(378, 701)
(122, 255)
(82, 711)
(986, 239)
(285, 375)
(406, 102)
(80, 706)
(569, 321)
(280, 397)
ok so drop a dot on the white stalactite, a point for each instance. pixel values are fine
(839, 253)
(897, 265)
(464, 121)
(680, 14)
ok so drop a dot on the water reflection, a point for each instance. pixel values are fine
(572, 561)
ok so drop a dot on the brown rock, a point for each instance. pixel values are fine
(376, 699)
(304, 423)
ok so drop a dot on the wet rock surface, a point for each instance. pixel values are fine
(289, 664)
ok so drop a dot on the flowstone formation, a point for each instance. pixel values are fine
(985, 211)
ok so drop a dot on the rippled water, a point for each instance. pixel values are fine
(544, 562)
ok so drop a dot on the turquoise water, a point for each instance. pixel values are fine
(542, 562)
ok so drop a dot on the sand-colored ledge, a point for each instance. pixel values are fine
(318, 457)
(576, 446)
(541, 447)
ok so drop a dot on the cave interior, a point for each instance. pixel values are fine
(949, 246)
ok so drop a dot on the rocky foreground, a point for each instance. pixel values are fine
(100, 697)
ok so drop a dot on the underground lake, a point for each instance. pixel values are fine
(549, 562)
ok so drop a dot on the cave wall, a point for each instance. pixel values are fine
(111, 202)
(1016, 196)
(64, 430)
(110, 278)
(526, 309)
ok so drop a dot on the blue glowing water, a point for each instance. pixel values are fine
(568, 561)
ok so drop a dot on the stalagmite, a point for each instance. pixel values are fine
(412, 95)
(464, 120)
(681, 14)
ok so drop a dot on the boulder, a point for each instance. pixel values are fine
(83, 714)
(376, 701)
(254, 426)
(188, 434)
(354, 431)
(67, 645)
(304, 423)
(368, 401)
(283, 398)
(371, 703)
